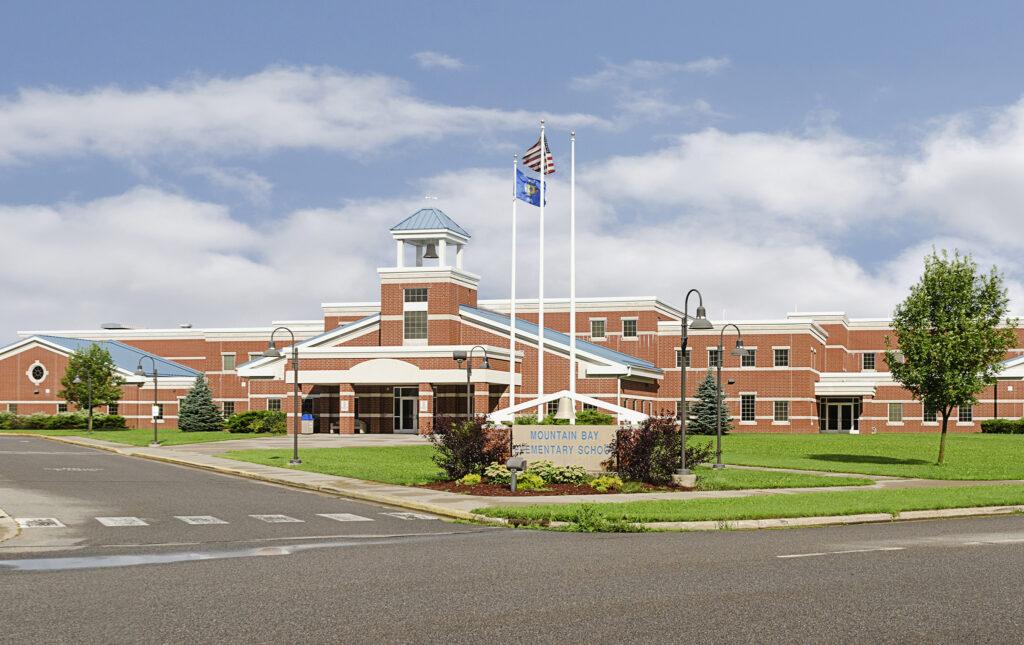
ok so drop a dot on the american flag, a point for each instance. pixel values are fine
(532, 157)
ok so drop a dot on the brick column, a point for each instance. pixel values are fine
(346, 409)
(481, 399)
(426, 409)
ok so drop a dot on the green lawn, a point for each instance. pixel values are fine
(738, 478)
(762, 507)
(404, 465)
(144, 436)
(968, 456)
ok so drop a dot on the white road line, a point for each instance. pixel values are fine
(199, 519)
(121, 521)
(39, 523)
(345, 517)
(410, 516)
(274, 519)
(813, 555)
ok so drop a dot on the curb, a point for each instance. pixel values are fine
(376, 498)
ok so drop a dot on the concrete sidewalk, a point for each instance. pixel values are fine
(460, 506)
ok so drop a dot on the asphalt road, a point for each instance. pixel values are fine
(418, 580)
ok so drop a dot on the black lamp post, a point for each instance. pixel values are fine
(272, 352)
(88, 381)
(156, 384)
(701, 322)
(738, 351)
(460, 356)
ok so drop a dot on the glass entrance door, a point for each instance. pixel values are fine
(839, 415)
(406, 419)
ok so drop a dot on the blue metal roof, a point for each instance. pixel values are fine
(561, 339)
(429, 219)
(126, 357)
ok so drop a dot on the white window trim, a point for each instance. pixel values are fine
(623, 332)
(754, 366)
(754, 420)
(598, 338)
(789, 357)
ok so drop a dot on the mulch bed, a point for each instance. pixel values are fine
(497, 490)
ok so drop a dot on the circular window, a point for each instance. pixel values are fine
(38, 373)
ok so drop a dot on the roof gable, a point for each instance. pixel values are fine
(125, 357)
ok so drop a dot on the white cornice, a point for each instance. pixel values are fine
(398, 275)
(616, 303)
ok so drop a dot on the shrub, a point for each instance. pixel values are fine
(526, 420)
(553, 474)
(650, 453)
(109, 422)
(529, 481)
(605, 483)
(66, 421)
(271, 421)
(498, 474)
(1003, 426)
(464, 447)
(594, 418)
(6, 419)
(471, 479)
(35, 421)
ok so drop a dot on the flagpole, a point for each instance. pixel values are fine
(572, 277)
(541, 412)
(512, 315)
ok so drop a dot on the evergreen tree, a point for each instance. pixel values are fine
(198, 412)
(702, 414)
(95, 369)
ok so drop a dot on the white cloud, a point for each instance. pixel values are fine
(615, 75)
(253, 186)
(431, 60)
(279, 108)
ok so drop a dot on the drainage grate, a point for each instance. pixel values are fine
(39, 523)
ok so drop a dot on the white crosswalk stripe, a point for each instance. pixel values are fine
(410, 516)
(199, 519)
(121, 521)
(275, 519)
(39, 523)
(345, 517)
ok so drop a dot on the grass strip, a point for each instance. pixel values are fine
(403, 465)
(739, 479)
(772, 506)
(968, 456)
(144, 436)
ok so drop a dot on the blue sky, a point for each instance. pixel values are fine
(156, 158)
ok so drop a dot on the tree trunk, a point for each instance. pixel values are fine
(942, 436)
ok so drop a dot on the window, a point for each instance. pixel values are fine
(255, 355)
(552, 407)
(228, 408)
(782, 357)
(274, 404)
(589, 406)
(929, 416)
(597, 328)
(415, 325)
(12, 408)
(679, 356)
(418, 294)
(869, 362)
(895, 413)
(112, 408)
(965, 414)
(714, 359)
(747, 402)
(782, 411)
(62, 407)
(678, 404)
(629, 327)
(160, 411)
(750, 358)
(227, 362)
(307, 404)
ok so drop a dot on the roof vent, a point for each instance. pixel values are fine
(113, 326)
(185, 325)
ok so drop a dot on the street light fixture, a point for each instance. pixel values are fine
(272, 352)
(461, 355)
(156, 385)
(701, 322)
(738, 351)
(88, 381)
